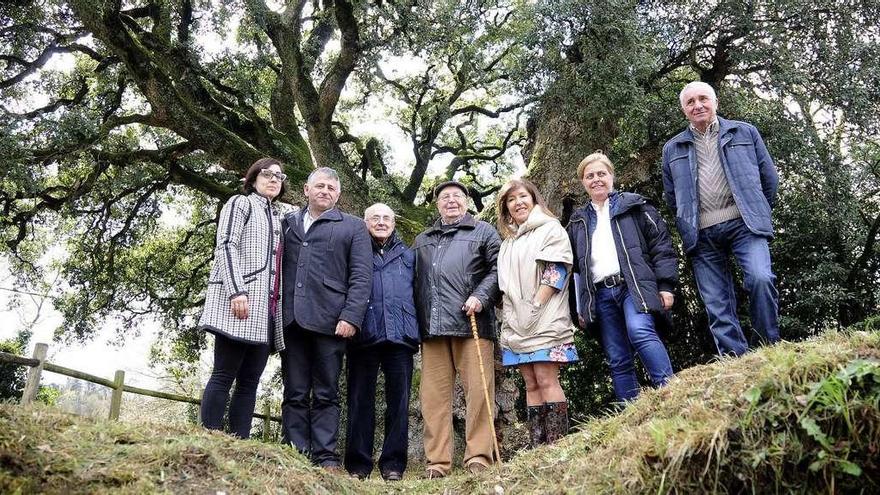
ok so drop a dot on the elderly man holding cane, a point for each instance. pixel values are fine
(456, 277)
(388, 339)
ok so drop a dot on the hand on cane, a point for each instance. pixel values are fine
(472, 306)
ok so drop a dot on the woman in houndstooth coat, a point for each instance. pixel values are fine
(243, 301)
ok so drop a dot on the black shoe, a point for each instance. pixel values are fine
(392, 475)
(360, 476)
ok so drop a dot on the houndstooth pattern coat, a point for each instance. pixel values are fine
(244, 263)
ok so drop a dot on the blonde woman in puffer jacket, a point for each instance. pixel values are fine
(537, 335)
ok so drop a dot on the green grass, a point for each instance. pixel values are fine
(792, 418)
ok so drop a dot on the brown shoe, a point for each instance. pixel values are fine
(434, 474)
(476, 467)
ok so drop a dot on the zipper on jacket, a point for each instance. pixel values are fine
(587, 265)
(629, 263)
(725, 166)
(652, 221)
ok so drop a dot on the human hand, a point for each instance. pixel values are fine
(472, 306)
(345, 329)
(239, 306)
(667, 298)
(582, 322)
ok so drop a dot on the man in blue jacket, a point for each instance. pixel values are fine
(721, 183)
(388, 339)
(327, 278)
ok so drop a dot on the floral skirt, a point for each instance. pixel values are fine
(563, 353)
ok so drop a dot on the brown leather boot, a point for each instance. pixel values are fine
(556, 424)
(537, 417)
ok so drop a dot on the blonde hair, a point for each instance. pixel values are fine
(505, 220)
(596, 156)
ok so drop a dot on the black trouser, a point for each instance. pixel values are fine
(240, 362)
(310, 367)
(396, 361)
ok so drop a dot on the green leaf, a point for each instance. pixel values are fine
(753, 395)
(849, 467)
(814, 430)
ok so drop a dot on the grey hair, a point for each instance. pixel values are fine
(697, 84)
(325, 171)
(374, 206)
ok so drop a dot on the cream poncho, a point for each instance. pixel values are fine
(526, 327)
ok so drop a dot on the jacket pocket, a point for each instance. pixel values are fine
(526, 314)
(410, 324)
(335, 285)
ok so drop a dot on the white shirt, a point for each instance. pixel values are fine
(603, 250)
(307, 220)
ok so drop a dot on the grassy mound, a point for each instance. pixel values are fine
(791, 418)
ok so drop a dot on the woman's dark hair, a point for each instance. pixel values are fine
(251, 175)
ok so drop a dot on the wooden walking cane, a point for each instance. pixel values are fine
(489, 403)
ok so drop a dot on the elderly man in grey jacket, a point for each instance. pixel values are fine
(456, 276)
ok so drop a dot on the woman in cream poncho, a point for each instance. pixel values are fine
(536, 332)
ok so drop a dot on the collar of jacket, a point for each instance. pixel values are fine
(537, 218)
(393, 249)
(333, 214)
(620, 203)
(390, 243)
(724, 126)
(467, 222)
(259, 198)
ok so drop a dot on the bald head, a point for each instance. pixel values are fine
(380, 221)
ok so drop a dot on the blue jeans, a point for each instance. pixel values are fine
(715, 283)
(622, 328)
(239, 362)
(396, 361)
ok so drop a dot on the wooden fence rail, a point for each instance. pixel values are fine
(37, 364)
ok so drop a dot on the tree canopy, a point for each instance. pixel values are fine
(126, 124)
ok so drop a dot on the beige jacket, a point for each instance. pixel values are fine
(526, 327)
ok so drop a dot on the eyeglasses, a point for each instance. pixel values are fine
(447, 197)
(381, 218)
(268, 173)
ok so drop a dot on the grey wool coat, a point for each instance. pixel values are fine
(244, 263)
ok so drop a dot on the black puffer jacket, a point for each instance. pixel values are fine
(644, 251)
(451, 265)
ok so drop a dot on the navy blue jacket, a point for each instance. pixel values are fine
(747, 165)
(391, 310)
(644, 251)
(326, 271)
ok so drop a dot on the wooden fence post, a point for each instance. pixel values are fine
(32, 386)
(116, 398)
(267, 420)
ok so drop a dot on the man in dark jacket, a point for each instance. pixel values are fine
(456, 276)
(327, 278)
(388, 339)
(721, 183)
